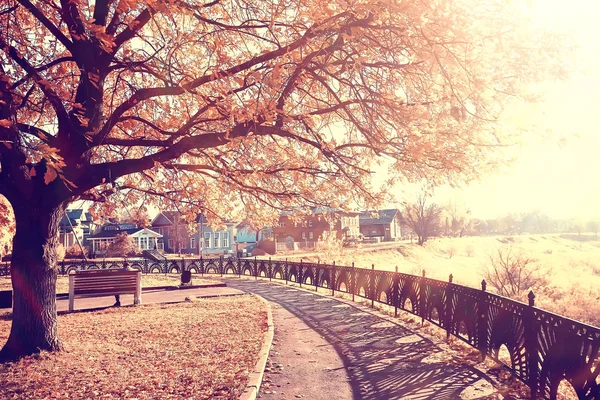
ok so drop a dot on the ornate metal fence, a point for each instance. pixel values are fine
(544, 348)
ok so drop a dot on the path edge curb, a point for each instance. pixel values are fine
(256, 376)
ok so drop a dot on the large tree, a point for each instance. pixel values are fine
(237, 105)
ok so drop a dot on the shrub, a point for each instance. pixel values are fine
(469, 251)
(60, 252)
(451, 251)
(123, 246)
(74, 251)
(511, 272)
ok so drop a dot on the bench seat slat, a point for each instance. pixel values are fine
(105, 287)
(101, 281)
(102, 292)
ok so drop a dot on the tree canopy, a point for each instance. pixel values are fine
(239, 104)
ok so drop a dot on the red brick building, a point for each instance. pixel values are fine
(299, 232)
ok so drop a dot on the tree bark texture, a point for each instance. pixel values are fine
(33, 274)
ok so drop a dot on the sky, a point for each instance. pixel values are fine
(557, 169)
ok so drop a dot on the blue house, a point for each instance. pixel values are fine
(248, 237)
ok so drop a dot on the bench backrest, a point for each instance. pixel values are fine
(104, 281)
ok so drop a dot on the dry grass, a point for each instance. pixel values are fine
(204, 349)
(571, 264)
(148, 280)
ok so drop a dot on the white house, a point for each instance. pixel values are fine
(144, 238)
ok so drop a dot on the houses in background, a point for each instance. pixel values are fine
(248, 237)
(75, 227)
(144, 238)
(383, 225)
(198, 238)
(169, 232)
(303, 232)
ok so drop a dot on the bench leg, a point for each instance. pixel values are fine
(137, 298)
(71, 292)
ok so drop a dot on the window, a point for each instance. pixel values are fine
(192, 243)
(310, 223)
(171, 244)
(183, 245)
(136, 241)
(158, 230)
(217, 244)
(207, 240)
(170, 230)
(226, 239)
(310, 235)
(303, 235)
(143, 243)
(281, 224)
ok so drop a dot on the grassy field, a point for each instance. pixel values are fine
(569, 264)
(203, 349)
(148, 280)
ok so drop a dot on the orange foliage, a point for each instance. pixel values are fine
(241, 107)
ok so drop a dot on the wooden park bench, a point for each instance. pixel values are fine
(110, 282)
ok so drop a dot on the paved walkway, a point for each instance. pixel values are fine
(327, 349)
(148, 297)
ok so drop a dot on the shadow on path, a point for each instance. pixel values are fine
(384, 360)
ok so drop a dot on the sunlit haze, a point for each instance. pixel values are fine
(555, 171)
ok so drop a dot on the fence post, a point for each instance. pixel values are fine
(449, 299)
(270, 271)
(166, 266)
(201, 266)
(316, 276)
(531, 345)
(255, 269)
(483, 320)
(182, 264)
(353, 279)
(332, 279)
(221, 265)
(300, 272)
(395, 291)
(422, 299)
(286, 272)
(239, 267)
(372, 285)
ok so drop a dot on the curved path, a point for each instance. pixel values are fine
(325, 348)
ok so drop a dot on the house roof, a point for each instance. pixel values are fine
(378, 217)
(113, 233)
(165, 218)
(321, 210)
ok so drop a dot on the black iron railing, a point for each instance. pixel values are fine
(544, 348)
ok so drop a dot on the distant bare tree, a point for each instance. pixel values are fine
(511, 272)
(423, 219)
(593, 227)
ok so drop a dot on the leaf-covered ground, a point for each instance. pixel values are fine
(148, 280)
(197, 350)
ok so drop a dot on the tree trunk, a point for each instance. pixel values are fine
(33, 273)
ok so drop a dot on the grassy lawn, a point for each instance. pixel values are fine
(203, 349)
(570, 265)
(148, 280)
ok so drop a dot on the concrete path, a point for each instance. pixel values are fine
(327, 349)
(148, 297)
